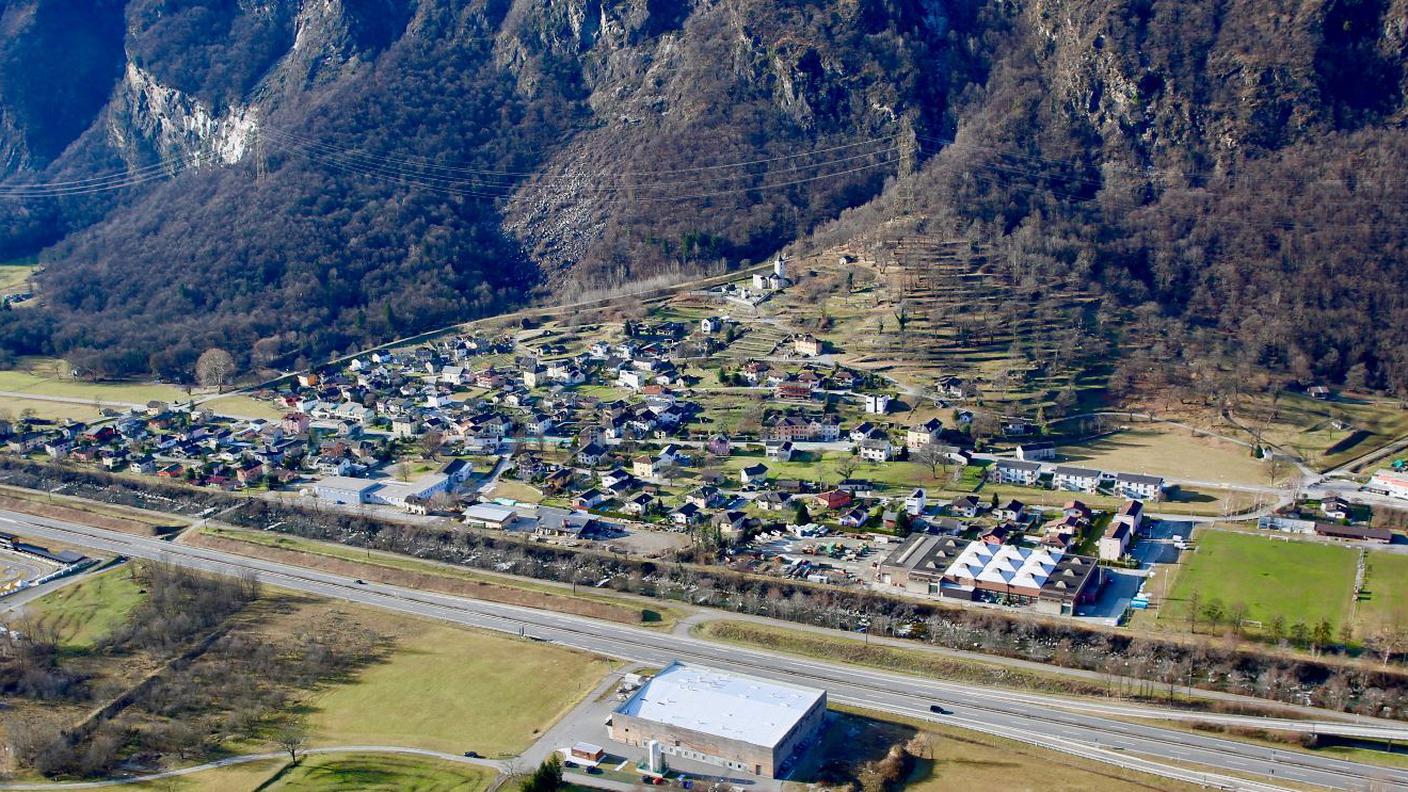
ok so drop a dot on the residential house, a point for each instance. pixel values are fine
(644, 466)
(917, 501)
(589, 500)
(718, 446)
(1139, 487)
(591, 454)
(1012, 510)
(1016, 472)
(779, 450)
(855, 518)
(731, 524)
(686, 515)
(753, 474)
(876, 450)
(640, 505)
(1036, 452)
(1076, 479)
(1114, 543)
(876, 403)
(772, 501)
(835, 499)
(927, 433)
(1130, 513)
(808, 345)
(967, 506)
(1335, 507)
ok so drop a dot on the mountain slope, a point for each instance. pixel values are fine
(350, 171)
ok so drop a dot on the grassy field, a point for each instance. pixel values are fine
(959, 760)
(821, 466)
(1298, 581)
(454, 690)
(1309, 427)
(517, 491)
(244, 407)
(13, 276)
(84, 612)
(41, 377)
(14, 407)
(353, 771)
(390, 772)
(1385, 591)
(233, 778)
(1173, 453)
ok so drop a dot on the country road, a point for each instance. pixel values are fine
(1065, 725)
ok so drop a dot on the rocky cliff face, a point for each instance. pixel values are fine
(598, 141)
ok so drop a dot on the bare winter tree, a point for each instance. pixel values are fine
(292, 737)
(215, 368)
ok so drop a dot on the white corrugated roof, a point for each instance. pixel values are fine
(1017, 566)
(722, 703)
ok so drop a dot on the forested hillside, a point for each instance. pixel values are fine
(320, 175)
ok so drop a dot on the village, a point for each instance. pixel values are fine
(683, 433)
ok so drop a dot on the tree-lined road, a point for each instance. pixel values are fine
(1032, 719)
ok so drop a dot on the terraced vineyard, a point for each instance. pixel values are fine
(1019, 340)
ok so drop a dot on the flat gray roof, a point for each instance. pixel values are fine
(722, 703)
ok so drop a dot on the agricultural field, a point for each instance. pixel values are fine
(1384, 600)
(453, 690)
(1170, 452)
(1299, 581)
(962, 315)
(82, 613)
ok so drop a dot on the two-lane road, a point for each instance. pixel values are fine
(1037, 720)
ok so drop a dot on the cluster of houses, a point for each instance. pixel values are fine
(181, 442)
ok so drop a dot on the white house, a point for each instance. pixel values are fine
(1018, 472)
(1076, 479)
(876, 450)
(877, 403)
(1139, 487)
(1036, 452)
(753, 474)
(780, 450)
(916, 502)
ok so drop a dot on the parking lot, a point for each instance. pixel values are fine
(835, 559)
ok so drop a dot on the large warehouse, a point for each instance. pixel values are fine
(740, 722)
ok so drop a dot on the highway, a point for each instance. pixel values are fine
(1038, 720)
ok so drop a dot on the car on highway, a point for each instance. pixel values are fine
(939, 710)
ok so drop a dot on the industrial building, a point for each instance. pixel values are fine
(1051, 580)
(740, 722)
